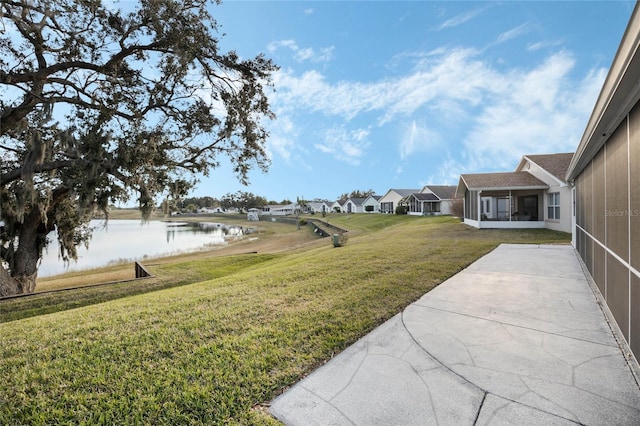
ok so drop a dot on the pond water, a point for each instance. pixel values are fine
(131, 240)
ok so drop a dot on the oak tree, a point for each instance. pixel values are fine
(100, 102)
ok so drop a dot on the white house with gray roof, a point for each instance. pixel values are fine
(371, 204)
(353, 205)
(535, 195)
(431, 200)
(319, 207)
(392, 198)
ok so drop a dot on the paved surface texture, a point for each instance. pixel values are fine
(516, 338)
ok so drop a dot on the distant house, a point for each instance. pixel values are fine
(392, 198)
(431, 200)
(210, 210)
(353, 205)
(318, 207)
(557, 203)
(336, 207)
(536, 195)
(278, 210)
(419, 204)
(253, 215)
(371, 204)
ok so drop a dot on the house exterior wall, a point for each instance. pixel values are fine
(351, 207)
(606, 174)
(316, 207)
(446, 207)
(391, 197)
(608, 224)
(563, 224)
(373, 204)
(277, 210)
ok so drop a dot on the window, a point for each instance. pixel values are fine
(415, 205)
(553, 205)
(486, 206)
(433, 207)
(386, 207)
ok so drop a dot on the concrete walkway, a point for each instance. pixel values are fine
(516, 338)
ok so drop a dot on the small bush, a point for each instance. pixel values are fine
(400, 210)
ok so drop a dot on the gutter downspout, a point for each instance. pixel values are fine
(479, 207)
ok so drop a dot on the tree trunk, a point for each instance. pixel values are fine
(22, 274)
(13, 285)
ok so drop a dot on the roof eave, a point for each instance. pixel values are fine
(509, 188)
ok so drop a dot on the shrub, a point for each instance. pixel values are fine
(400, 210)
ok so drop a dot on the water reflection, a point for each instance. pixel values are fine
(130, 240)
(218, 231)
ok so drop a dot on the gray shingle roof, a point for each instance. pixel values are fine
(357, 201)
(404, 192)
(420, 196)
(556, 164)
(444, 192)
(507, 180)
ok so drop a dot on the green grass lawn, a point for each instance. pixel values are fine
(234, 333)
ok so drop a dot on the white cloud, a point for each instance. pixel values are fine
(459, 19)
(345, 145)
(418, 138)
(303, 54)
(440, 82)
(491, 116)
(539, 111)
(532, 47)
(283, 138)
(280, 145)
(513, 33)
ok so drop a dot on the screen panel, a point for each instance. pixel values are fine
(634, 189)
(617, 195)
(598, 210)
(588, 198)
(618, 293)
(635, 316)
(599, 269)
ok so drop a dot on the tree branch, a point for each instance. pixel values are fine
(16, 174)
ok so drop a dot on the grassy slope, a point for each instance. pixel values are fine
(271, 239)
(208, 352)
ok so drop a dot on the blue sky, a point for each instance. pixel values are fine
(378, 95)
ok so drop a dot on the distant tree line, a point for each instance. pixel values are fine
(241, 200)
(244, 200)
(355, 194)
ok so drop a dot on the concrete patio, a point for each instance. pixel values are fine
(516, 338)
